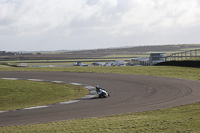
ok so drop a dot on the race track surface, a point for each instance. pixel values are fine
(129, 93)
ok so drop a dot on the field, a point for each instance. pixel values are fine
(18, 94)
(68, 62)
(173, 120)
(103, 53)
(67, 58)
(163, 71)
(179, 119)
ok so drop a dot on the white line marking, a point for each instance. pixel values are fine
(68, 102)
(75, 83)
(3, 111)
(89, 87)
(37, 107)
(10, 78)
(93, 91)
(57, 81)
(35, 80)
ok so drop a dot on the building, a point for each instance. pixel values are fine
(4, 53)
(153, 59)
(157, 58)
(143, 61)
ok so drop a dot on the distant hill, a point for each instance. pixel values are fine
(100, 53)
(137, 50)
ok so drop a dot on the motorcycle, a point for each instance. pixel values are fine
(102, 92)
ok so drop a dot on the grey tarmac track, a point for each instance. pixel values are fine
(129, 93)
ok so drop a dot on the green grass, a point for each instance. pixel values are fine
(188, 49)
(17, 94)
(125, 56)
(173, 120)
(43, 64)
(61, 62)
(69, 60)
(179, 119)
(2, 66)
(164, 71)
(188, 58)
(195, 58)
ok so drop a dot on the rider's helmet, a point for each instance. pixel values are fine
(97, 88)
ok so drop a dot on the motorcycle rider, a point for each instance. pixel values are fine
(100, 91)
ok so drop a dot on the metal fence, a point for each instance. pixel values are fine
(186, 55)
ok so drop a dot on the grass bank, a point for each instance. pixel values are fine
(164, 71)
(179, 119)
(17, 94)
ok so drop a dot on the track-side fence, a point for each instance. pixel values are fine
(186, 55)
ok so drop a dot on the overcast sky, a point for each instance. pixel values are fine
(89, 24)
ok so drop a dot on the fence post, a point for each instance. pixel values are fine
(181, 56)
(195, 53)
(185, 54)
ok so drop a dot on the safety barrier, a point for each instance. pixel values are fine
(186, 55)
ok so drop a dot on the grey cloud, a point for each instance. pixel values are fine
(92, 2)
(4, 22)
(81, 24)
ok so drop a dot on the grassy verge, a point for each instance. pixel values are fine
(16, 94)
(125, 56)
(179, 119)
(164, 71)
(70, 60)
(61, 62)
